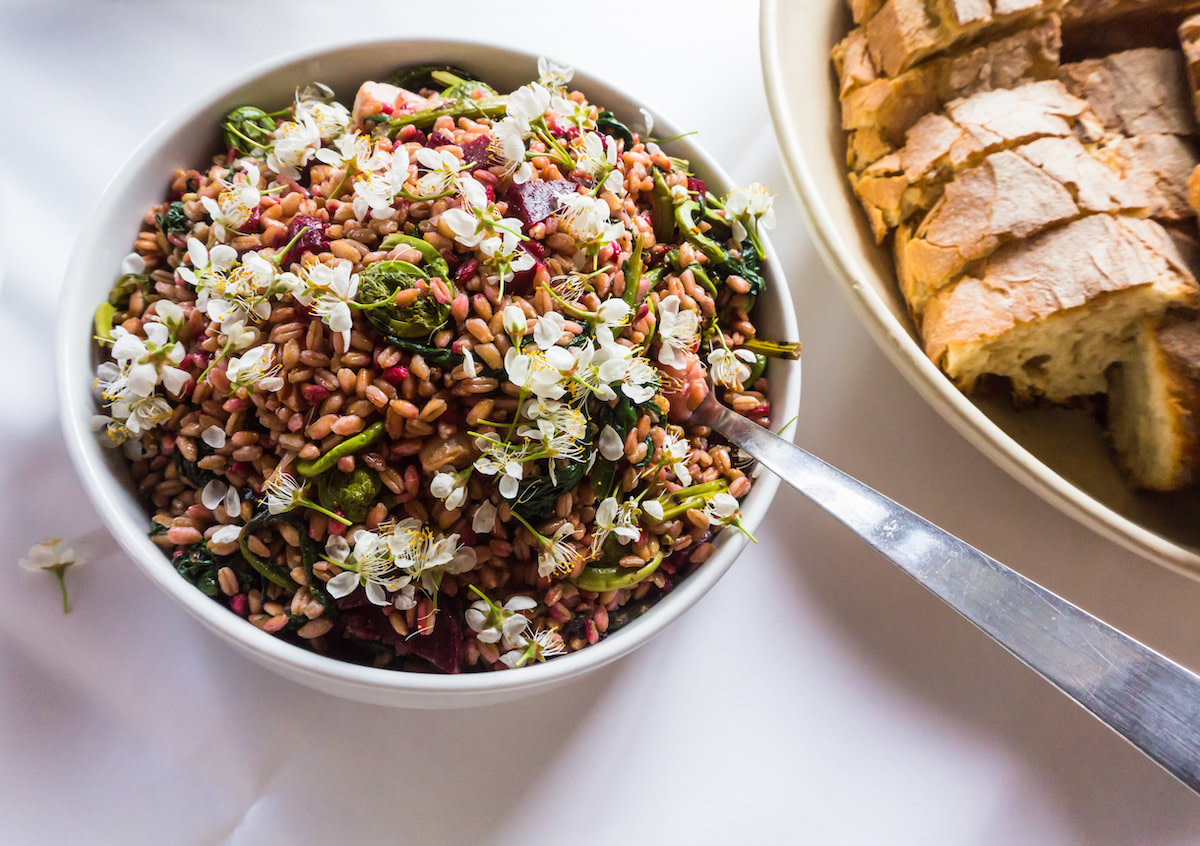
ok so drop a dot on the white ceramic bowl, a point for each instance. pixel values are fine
(1059, 454)
(190, 139)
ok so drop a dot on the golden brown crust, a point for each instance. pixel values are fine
(939, 146)
(1011, 195)
(1079, 13)
(890, 107)
(1095, 277)
(904, 32)
(1135, 92)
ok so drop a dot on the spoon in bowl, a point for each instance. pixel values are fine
(1146, 698)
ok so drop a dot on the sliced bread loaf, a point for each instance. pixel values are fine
(1154, 405)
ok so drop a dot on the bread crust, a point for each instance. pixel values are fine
(1098, 276)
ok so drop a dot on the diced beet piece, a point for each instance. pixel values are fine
(467, 269)
(252, 222)
(696, 185)
(535, 248)
(443, 646)
(533, 202)
(522, 281)
(439, 139)
(312, 241)
(478, 152)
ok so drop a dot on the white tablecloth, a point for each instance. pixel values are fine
(816, 695)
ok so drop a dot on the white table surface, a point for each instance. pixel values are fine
(814, 696)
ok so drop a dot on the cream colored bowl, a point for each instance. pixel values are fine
(189, 139)
(1059, 454)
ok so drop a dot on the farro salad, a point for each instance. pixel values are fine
(405, 382)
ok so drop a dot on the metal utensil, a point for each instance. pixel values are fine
(1149, 700)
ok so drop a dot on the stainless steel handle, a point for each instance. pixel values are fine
(1149, 700)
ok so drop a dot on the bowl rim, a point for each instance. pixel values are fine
(901, 348)
(330, 674)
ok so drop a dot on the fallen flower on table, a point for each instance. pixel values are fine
(53, 557)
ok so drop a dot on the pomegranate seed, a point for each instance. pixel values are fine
(396, 374)
(314, 393)
(467, 270)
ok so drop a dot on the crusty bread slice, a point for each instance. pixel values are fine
(903, 32)
(882, 110)
(863, 10)
(1080, 13)
(1053, 312)
(1135, 92)
(940, 145)
(1013, 194)
(1160, 165)
(1189, 40)
(1154, 405)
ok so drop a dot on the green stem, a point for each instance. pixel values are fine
(346, 447)
(278, 257)
(308, 503)
(773, 349)
(586, 315)
(60, 573)
(542, 539)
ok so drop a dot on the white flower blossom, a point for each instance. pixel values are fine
(255, 370)
(559, 555)
(484, 518)
(355, 153)
(722, 507)
(508, 147)
(613, 313)
(443, 556)
(449, 488)
(527, 104)
(52, 556)
(751, 205)
(493, 623)
(612, 448)
(294, 145)
(596, 156)
(314, 106)
(515, 323)
(676, 452)
(282, 492)
(729, 368)
(554, 73)
(545, 643)
(654, 509)
(586, 218)
(501, 459)
(641, 380)
(49, 554)
(234, 205)
(442, 174)
(329, 289)
(208, 268)
(375, 192)
(168, 313)
(549, 329)
(615, 518)
(679, 332)
(214, 436)
(369, 564)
